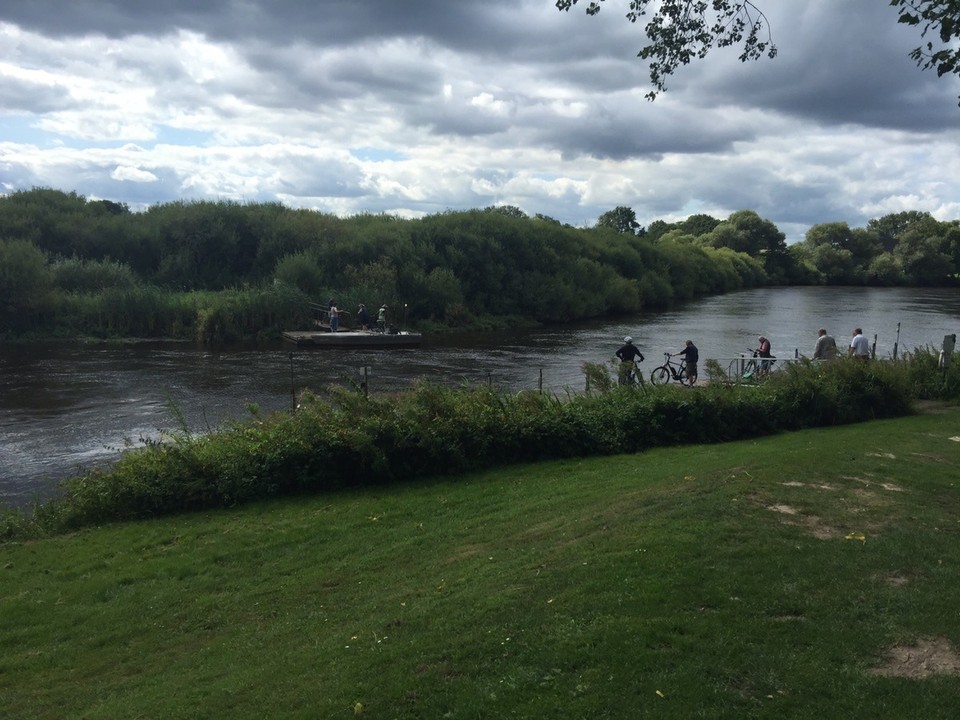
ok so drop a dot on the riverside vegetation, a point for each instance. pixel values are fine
(349, 440)
(807, 575)
(218, 272)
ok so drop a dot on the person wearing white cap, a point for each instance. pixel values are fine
(628, 353)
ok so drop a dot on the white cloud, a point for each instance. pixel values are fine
(133, 174)
(466, 105)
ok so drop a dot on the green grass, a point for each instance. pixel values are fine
(720, 581)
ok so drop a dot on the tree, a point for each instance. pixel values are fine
(508, 210)
(940, 18)
(884, 269)
(924, 257)
(698, 224)
(859, 245)
(835, 263)
(25, 281)
(683, 30)
(622, 219)
(657, 229)
(679, 31)
(889, 228)
(746, 232)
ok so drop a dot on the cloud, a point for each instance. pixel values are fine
(373, 106)
(126, 173)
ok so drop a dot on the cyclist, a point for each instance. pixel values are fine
(690, 357)
(628, 353)
(763, 352)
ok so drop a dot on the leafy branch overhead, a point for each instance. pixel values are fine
(935, 17)
(679, 31)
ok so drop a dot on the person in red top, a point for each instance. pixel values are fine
(764, 352)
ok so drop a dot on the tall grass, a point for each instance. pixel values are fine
(349, 440)
(150, 312)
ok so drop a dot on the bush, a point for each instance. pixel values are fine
(76, 275)
(351, 440)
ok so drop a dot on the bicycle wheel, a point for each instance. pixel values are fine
(660, 375)
(750, 370)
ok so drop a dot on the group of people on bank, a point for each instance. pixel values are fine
(363, 316)
(629, 354)
(825, 349)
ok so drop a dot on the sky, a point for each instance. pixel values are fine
(420, 107)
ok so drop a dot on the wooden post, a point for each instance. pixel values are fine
(293, 389)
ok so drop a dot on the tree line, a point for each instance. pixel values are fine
(909, 248)
(223, 270)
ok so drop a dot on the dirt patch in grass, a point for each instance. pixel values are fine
(810, 523)
(816, 486)
(894, 579)
(930, 456)
(783, 509)
(921, 660)
(819, 530)
(934, 407)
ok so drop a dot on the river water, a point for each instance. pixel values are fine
(66, 407)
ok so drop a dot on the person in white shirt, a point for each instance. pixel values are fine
(859, 346)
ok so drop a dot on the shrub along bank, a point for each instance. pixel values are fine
(348, 440)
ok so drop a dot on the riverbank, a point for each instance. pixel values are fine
(351, 439)
(66, 407)
(810, 574)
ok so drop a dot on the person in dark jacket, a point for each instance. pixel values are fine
(691, 356)
(363, 317)
(628, 353)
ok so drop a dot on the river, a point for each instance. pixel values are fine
(66, 407)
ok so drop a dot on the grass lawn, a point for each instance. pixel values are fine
(810, 575)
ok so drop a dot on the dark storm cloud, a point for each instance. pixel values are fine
(21, 96)
(323, 22)
(838, 62)
(466, 104)
(621, 134)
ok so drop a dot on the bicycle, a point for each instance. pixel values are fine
(757, 369)
(670, 370)
(633, 376)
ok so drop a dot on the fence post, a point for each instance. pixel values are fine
(293, 389)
